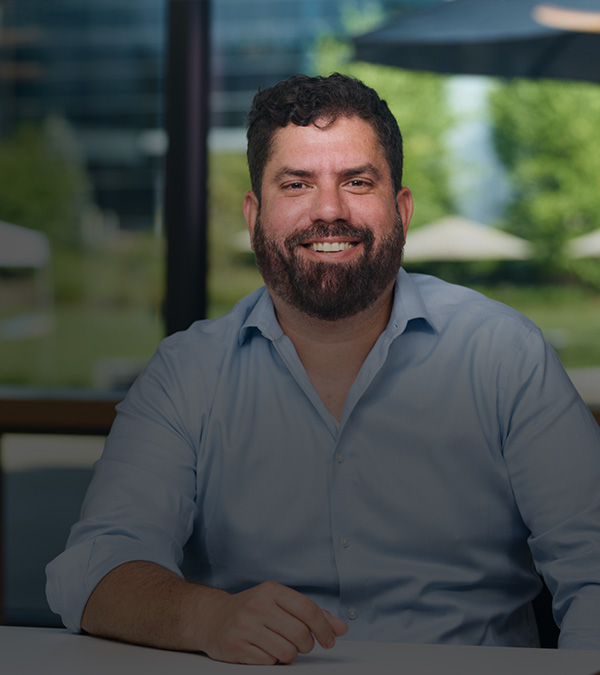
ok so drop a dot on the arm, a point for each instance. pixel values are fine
(553, 455)
(142, 506)
(147, 604)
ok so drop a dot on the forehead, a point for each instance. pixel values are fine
(347, 140)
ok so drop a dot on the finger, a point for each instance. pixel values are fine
(293, 630)
(340, 627)
(276, 646)
(310, 614)
(238, 649)
(252, 655)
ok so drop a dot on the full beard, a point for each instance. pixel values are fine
(335, 290)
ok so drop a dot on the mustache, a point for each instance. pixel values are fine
(339, 228)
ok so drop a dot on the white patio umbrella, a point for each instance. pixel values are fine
(458, 239)
(22, 247)
(585, 246)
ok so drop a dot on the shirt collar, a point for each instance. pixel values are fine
(408, 304)
(262, 317)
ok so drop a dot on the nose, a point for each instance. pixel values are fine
(329, 204)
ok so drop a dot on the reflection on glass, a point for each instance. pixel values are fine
(81, 149)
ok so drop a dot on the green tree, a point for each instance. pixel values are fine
(43, 184)
(548, 136)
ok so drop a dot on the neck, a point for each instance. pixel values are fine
(365, 325)
(333, 352)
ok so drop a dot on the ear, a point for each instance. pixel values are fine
(250, 210)
(404, 201)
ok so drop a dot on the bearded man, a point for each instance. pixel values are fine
(351, 451)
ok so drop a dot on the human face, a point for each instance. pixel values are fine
(329, 231)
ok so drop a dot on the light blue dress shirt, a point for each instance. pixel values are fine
(464, 462)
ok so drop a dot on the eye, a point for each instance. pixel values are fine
(359, 184)
(296, 185)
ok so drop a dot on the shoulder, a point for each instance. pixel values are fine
(208, 340)
(443, 297)
(452, 306)
(176, 388)
(187, 365)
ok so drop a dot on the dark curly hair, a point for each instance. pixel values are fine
(302, 100)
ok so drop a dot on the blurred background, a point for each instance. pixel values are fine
(504, 172)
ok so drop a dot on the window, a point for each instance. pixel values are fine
(81, 155)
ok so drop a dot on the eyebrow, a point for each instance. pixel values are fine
(288, 171)
(346, 173)
(363, 168)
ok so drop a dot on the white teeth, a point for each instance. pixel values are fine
(330, 246)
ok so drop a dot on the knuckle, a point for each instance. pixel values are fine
(269, 586)
(251, 606)
(299, 634)
(310, 610)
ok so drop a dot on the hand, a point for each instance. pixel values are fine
(268, 624)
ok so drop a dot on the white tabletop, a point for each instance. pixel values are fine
(47, 651)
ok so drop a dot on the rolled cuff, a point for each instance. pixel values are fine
(75, 573)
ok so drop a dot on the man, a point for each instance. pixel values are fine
(351, 441)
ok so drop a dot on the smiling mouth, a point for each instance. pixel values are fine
(330, 246)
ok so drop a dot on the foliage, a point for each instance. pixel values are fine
(125, 271)
(547, 135)
(232, 272)
(228, 182)
(43, 184)
(107, 309)
(84, 337)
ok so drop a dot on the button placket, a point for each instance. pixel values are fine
(343, 530)
(352, 613)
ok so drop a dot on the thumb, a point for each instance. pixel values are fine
(339, 626)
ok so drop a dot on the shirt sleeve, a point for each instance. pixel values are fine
(552, 450)
(140, 504)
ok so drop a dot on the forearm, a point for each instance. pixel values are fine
(146, 604)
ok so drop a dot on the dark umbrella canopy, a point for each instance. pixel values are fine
(486, 37)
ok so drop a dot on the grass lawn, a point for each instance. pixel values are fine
(569, 317)
(94, 337)
(108, 299)
(85, 343)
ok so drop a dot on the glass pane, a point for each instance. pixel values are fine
(81, 153)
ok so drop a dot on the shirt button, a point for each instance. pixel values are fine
(352, 613)
(345, 542)
(339, 457)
